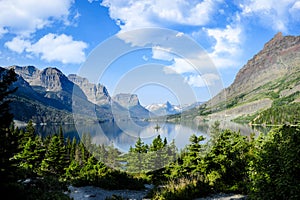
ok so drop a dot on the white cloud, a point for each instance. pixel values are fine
(23, 17)
(295, 11)
(273, 13)
(202, 80)
(60, 48)
(227, 45)
(51, 47)
(179, 34)
(180, 66)
(157, 13)
(161, 53)
(18, 45)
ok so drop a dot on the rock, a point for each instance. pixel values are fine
(89, 195)
(96, 93)
(126, 100)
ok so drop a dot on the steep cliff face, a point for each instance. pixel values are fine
(126, 100)
(278, 57)
(96, 93)
(49, 95)
(51, 79)
(51, 83)
(132, 105)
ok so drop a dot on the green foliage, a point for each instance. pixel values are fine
(275, 170)
(37, 189)
(55, 160)
(8, 135)
(31, 156)
(182, 189)
(278, 115)
(226, 162)
(149, 158)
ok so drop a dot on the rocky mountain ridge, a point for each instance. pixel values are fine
(49, 95)
(269, 76)
(96, 93)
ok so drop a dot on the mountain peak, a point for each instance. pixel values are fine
(250, 90)
(97, 94)
(126, 100)
(276, 39)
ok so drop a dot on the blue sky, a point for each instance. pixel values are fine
(67, 33)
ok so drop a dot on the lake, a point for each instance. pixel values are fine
(124, 134)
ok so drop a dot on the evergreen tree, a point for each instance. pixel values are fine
(136, 157)
(30, 158)
(55, 158)
(227, 161)
(28, 134)
(193, 157)
(275, 171)
(112, 157)
(7, 77)
(8, 138)
(157, 154)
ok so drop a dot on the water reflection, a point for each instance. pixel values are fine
(110, 132)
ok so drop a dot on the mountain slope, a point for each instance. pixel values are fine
(271, 76)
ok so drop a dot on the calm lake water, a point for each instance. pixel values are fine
(124, 134)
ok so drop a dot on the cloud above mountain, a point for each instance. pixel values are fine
(51, 47)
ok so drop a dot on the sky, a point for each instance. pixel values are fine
(162, 50)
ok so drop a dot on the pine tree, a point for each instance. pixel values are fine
(136, 157)
(157, 154)
(55, 158)
(8, 138)
(30, 158)
(28, 134)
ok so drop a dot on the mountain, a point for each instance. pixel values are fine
(132, 104)
(163, 109)
(269, 79)
(50, 96)
(28, 104)
(119, 104)
(96, 93)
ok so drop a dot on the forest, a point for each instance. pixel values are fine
(264, 166)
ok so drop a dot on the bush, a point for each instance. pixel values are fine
(276, 167)
(181, 189)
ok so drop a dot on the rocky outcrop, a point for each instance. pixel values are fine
(127, 100)
(96, 93)
(134, 110)
(49, 95)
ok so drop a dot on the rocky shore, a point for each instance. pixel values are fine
(95, 193)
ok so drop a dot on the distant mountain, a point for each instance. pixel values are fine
(269, 79)
(48, 96)
(191, 106)
(132, 104)
(163, 109)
